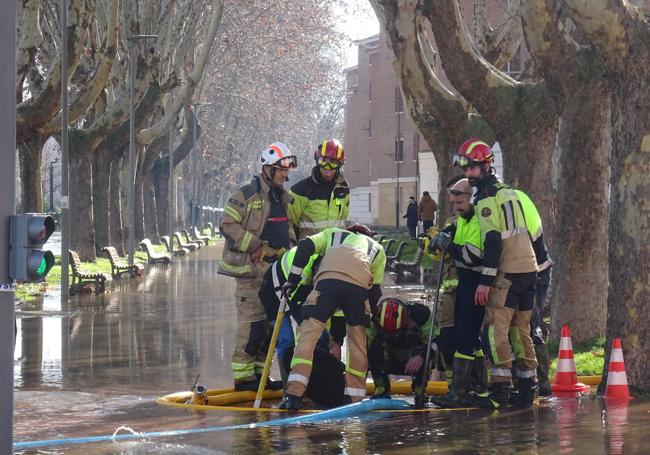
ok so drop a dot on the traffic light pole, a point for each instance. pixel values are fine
(7, 207)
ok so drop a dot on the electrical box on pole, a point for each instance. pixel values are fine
(28, 232)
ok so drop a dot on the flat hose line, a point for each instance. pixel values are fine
(350, 410)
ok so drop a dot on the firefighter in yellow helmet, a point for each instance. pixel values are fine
(257, 230)
(321, 200)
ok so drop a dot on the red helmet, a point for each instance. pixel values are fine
(391, 315)
(361, 229)
(472, 152)
(330, 154)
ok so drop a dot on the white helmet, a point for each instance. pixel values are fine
(279, 155)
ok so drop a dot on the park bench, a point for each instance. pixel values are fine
(177, 252)
(387, 245)
(213, 231)
(379, 238)
(120, 266)
(408, 269)
(152, 256)
(391, 259)
(201, 238)
(189, 241)
(182, 244)
(81, 279)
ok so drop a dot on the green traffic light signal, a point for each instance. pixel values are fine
(28, 232)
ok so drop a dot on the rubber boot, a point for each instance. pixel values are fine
(461, 379)
(479, 374)
(382, 388)
(284, 372)
(525, 394)
(291, 402)
(543, 367)
(497, 397)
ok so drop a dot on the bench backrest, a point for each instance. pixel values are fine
(112, 254)
(186, 235)
(75, 261)
(177, 236)
(147, 245)
(165, 240)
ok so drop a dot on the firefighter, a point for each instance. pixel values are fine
(507, 283)
(257, 230)
(397, 341)
(466, 250)
(544, 264)
(349, 278)
(321, 200)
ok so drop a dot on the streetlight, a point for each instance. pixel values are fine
(131, 195)
(195, 182)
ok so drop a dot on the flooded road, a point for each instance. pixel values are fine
(101, 361)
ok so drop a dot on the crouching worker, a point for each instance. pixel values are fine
(397, 342)
(349, 278)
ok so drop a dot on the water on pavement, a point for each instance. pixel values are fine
(99, 363)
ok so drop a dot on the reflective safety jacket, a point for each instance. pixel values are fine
(242, 224)
(534, 224)
(317, 205)
(280, 271)
(504, 234)
(466, 247)
(347, 256)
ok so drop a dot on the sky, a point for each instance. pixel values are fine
(358, 22)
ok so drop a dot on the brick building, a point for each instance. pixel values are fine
(387, 159)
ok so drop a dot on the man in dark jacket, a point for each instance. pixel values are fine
(412, 217)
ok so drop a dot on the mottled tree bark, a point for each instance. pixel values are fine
(30, 158)
(160, 178)
(101, 202)
(621, 35)
(82, 230)
(150, 212)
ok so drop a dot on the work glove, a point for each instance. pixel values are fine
(439, 242)
(287, 289)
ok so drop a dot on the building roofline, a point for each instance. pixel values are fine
(365, 41)
(351, 68)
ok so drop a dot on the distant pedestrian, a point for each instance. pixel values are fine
(412, 217)
(427, 210)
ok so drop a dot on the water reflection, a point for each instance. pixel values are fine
(99, 362)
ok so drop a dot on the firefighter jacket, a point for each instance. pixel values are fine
(534, 225)
(244, 217)
(504, 234)
(466, 247)
(413, 340)
(318, 205)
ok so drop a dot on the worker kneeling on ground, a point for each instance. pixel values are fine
(397, 342)
(349, 278)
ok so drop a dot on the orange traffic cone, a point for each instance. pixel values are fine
(566, 378)
(616, 377)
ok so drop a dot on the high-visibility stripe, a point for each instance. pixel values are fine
(489, 271)
(242, 370)
(295, 270)
(458, 355)
(493, 345)
(339, 152)
(322, 224)
(274, 275)
(278, 151)
(354, 392)
(524, 373)
(501, 372)
(512, 232)
(616, 378)
(515, 341)
(298, 361)
(234, 268)
(336, 238)
(295, 377)
(246, 241)
(537, 234)
(357, 373)
(323, 148)
(462, 265)
(232, 213)
(474, 144)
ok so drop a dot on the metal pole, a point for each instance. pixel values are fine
(131, 182)
(194, 163)
(65, 184)
(51, 186)
(7, 208)
(170, 189)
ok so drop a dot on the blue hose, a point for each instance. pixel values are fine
(342, 412)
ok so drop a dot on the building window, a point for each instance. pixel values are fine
(399, 102)
(369, 128)
(399, 149)
(372, 58)
(370, 92)
(369, 202)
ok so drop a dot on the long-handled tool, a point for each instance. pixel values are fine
(270, 352)
(425, 376)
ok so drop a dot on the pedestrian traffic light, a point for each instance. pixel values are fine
(27, 234)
